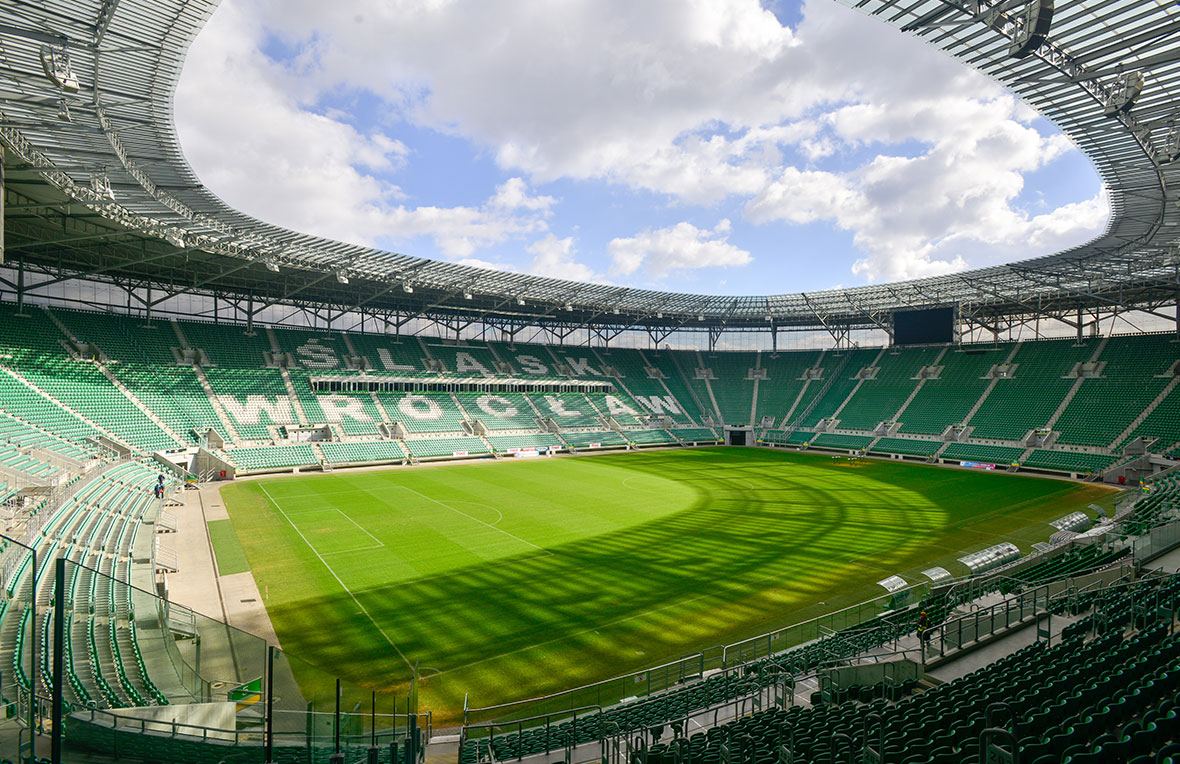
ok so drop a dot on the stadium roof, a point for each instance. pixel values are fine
(97, 183)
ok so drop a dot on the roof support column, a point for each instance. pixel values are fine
(1079, 323)
(2, 194)
(20, 290)
(250, 314)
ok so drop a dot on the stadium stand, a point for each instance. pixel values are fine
(423, 412)
(836, 440)
(271, 457)
(948, 399)
(432, 447)
(141, 388)
(905, 446)
(878, 399)
(731, 386)
(505, 443)
(783, 384)
(1132, 376)
(1067, 460)
(841, 369)
(1027, 400)
(982, 453)
(499, 411)
(363, 451)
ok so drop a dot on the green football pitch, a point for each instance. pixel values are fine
(512, 579)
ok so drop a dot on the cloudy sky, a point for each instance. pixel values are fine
(723, 146)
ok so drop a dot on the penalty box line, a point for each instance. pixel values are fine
(328, 567)
(476, 519)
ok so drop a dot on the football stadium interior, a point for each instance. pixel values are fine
(268, 497)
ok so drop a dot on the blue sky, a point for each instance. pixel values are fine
(718, 146)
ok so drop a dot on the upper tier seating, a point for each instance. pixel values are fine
(878, 399)
(732, 387)
(842, 381)
(499, 411)
(1029, 398)
(1131, 378)
(423, 412)
(52, 393)
(784, 381)
(947, 400)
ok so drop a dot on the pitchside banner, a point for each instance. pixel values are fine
(977, 465)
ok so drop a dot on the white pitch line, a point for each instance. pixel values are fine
(356, 549)
(342, 586)
(359, 527)
(476, 519)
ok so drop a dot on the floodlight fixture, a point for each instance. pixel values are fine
(466, 295)
(407, 287)
(342, 277)
(56, 64)
(1169, 150)
(520, 301)
(1032, 27)
(1125, 91)
(569, 307)
(63, 112)
(272, 266)
(102, 185)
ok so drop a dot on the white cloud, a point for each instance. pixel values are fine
(710, 102)
(677, 248)
(251, 139)
(554, 257)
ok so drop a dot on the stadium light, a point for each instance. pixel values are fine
(1032, 27)
(467, 295)
(1125, 91)
(615, 311)
(1169, 151)
(342, 277)
(407, 287)
(520, 301)
(569, 307)
(56, 63)
(63, 112)
(272, 266)
(102, 185)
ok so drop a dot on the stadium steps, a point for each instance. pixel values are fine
(713, 412)
(664, 384)
(72, 412)
(918, 387)
(296, 404)
(180, 335)
(828, 381)
(798, 399)
(991, 385)
(709, 388)
(379, 406)
(218, 409)
(1077, 385)
(754, 392)
(1146, 412)
(347, 340)
(273, 340)
(856, 388)
(180, 440)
